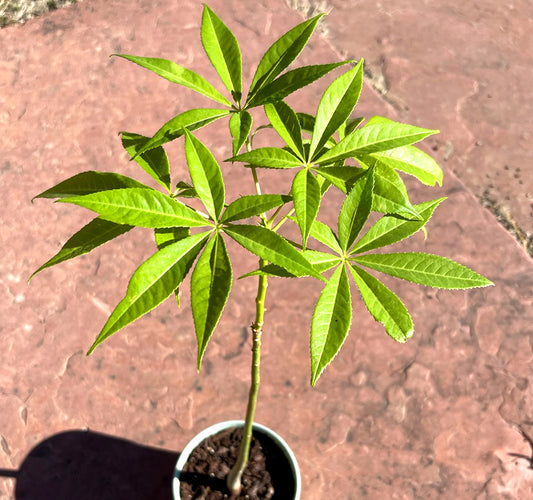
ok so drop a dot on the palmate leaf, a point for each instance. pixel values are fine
(388, 230)
(210, 287)
(240, 125)
(286, 124)
(331, 322)
(90, 182)
(282, 53)
(153, 162)
(205, 175)
(336, 105)
(424, 269)
(139, 207)
(355, 210)
(306, 197)
(272, 247)
(268, 158)
(251, 205)
(291, 81)
(153, 282)
(223, 51)
(412, 161)
(384, 306)
(177, 74)
(192, 119)
(95, 233)
(377, 135)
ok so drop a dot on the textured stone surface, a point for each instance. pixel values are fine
(445, 416)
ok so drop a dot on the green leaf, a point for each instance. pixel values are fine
(375, 136)
(307, 122)
(153, 282)
(286, 124)
(92, 235)
(205, 175)
(331, 322)
(291, 81)
(223, 51)
(153, 162)
(240, 125)
(210, 288)
(282, 53)
(269, 158)
(251, 205)
(390, 194)
(412, 161)
(164, 236)
(336, 105)
(343, 177)
(140, 207)
(272, 247)
(177, 74)
(321, 261)
(384, 305)
(388, 230)
(192, 119)
(306, 196)
(355, 210)
(90, 182)
(425, 269)
(323, 233)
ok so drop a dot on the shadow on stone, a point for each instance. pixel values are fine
(86, 466)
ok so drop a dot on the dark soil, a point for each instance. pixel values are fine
(267, 476)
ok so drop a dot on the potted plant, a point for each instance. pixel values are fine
(191, 220)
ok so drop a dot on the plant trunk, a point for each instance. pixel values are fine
(234, 477)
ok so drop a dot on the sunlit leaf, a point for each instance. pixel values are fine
(331, 322)
(251, 205)
(139, 207)
(205, 175)
(425, 269)
(384, 306)
(154, 162)
(223, 51)
(240, 125)
(90, 182)
(271, 247)
(388, 229)
(306, 196)
(152, 283)
(95, 233)
(282, 52)
(336, 105)
(286, 124)
(177, 74)
(268, 158)
(210, 287)
(192, 119)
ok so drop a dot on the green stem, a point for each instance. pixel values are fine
(234, 478)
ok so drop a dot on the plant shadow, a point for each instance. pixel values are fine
(85, 465)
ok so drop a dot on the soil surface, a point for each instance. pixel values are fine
(267, 475)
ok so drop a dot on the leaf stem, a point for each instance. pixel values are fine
(234, 478)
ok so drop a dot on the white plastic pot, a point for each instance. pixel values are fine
(222, 426)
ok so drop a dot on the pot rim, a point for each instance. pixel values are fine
(221, 426)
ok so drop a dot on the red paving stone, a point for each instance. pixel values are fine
(439, 417)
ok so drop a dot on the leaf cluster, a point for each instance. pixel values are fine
(328, 150)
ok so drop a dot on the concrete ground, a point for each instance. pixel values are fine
(447, 415)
